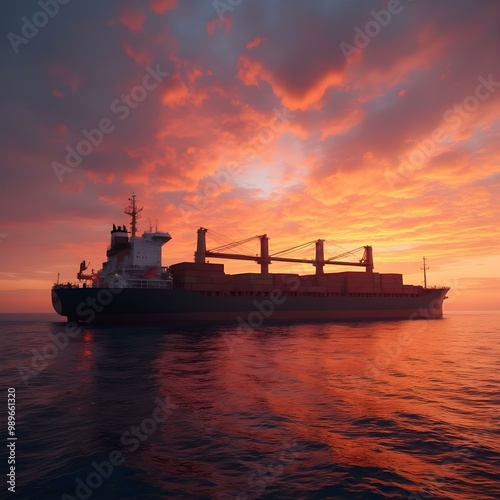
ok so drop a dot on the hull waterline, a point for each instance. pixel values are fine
(101, 305)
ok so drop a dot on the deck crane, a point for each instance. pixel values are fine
(264, 258)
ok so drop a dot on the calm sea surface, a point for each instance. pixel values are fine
(406, 409)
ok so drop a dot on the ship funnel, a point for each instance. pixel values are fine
(119, 235)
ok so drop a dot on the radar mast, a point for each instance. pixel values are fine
(134, 212)
(425, 268)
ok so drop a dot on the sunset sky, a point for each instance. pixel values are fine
(363, 123)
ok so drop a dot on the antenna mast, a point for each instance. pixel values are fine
(425, 274)
(134, 212)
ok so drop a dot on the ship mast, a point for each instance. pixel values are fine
(134, 212)
(425, 274)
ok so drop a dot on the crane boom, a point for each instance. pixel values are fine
(233, 244)
(264, 258)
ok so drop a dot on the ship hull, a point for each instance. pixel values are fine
(104, 305)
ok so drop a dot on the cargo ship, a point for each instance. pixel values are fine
(133, 286)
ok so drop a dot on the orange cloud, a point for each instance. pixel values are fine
(254, 43)
(251, 72)
(161, 6)
(342, 124)
(176, 94)
(226, 23)
(193, 74)
(204, 140)
(138, 56)
(132, 17)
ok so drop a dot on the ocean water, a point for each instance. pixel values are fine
(367, 410)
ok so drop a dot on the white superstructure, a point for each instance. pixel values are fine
(132, 262)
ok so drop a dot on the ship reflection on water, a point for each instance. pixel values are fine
(323, 410)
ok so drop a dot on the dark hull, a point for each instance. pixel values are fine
(150, 305)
